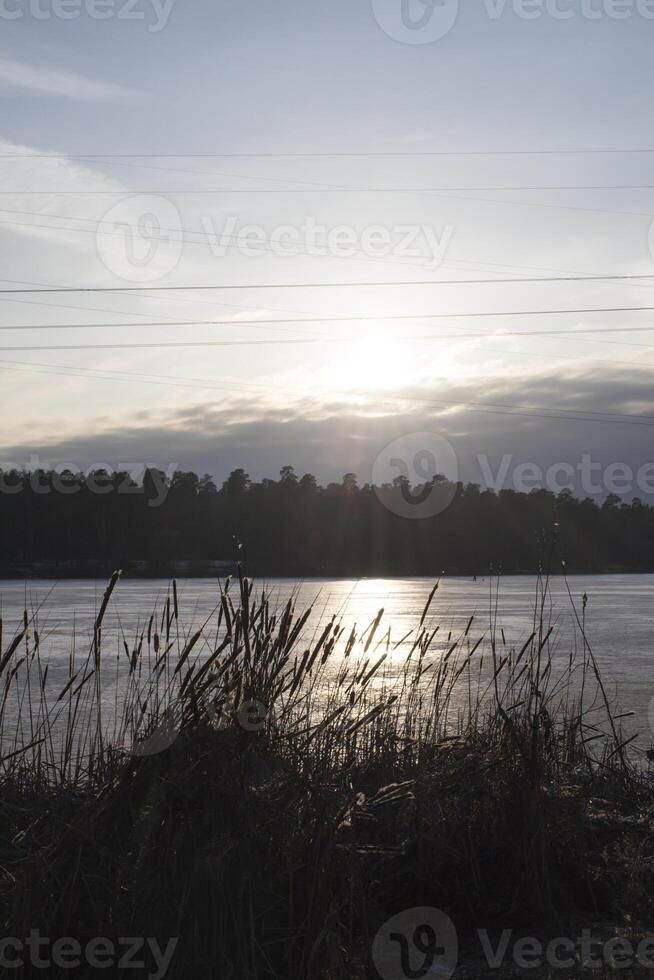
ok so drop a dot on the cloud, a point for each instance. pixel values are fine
(60, 218)
(329, 438)
(63, 84)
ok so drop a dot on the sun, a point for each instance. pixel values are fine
(370, 363)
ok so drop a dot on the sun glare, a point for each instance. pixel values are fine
(378, 363)
(369, 364)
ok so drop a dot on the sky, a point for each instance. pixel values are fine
(363, 164)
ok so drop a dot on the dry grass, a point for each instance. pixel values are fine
(275, 840)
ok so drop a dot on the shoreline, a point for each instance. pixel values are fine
(144, 571)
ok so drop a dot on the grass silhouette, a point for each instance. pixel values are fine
(271, 794)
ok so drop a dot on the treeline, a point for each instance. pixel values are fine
(293, 526)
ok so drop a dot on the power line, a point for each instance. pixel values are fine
(131, 313)
(120, 162)
(491, 408)
(157, 299)
(569, 275)
(210, 384)
(127, 193)
(317, 188)
(332, 188)
(328, 153)
(226, 240)
(337, 285)
(106, 159)
(182, 343)
(364, 318)
(273, 341)
(563, 275)
(520, 353)
(223, 240)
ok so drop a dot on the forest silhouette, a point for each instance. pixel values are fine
(294, 526)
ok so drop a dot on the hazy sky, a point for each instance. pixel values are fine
(176, 91)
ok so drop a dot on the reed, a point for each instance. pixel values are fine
(271, 792)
